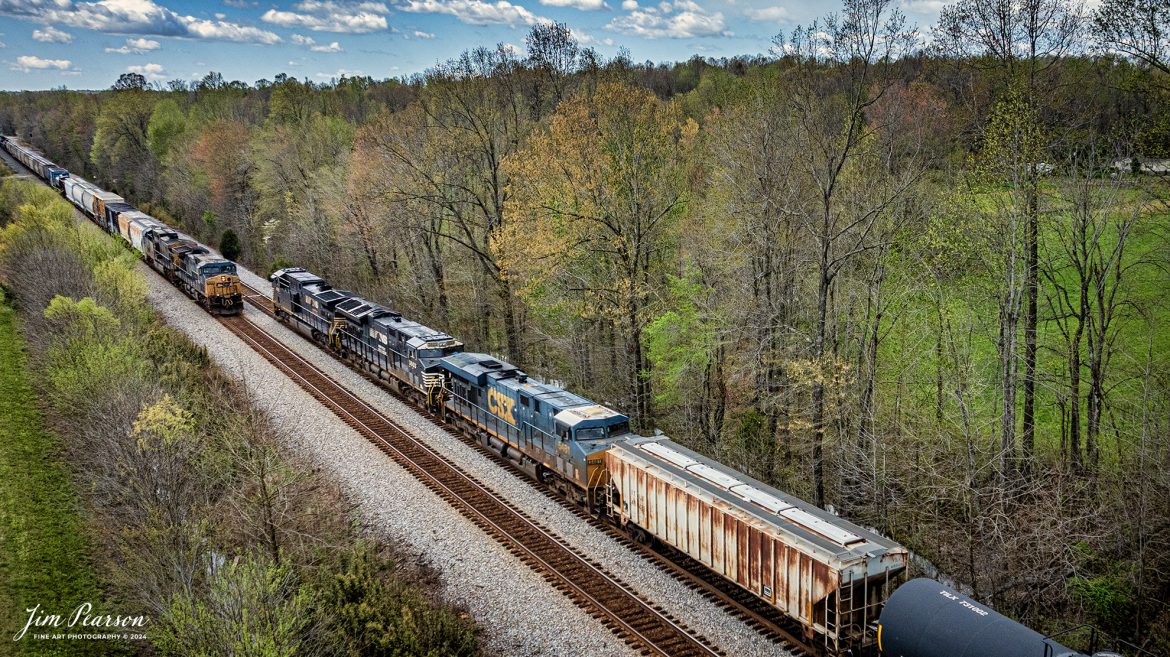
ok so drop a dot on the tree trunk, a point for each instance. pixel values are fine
(511, 329)
(818, 392)
(1032, 283)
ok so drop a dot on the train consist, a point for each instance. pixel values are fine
(829, 575)
(210, 280)
(837, 580)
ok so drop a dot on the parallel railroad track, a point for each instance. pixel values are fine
(642, 624)
(753, 611)
(756, 613)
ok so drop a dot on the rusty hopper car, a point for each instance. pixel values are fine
(826, 573)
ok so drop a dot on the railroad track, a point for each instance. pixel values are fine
(642, 624)
(756, 613)
(740, 603)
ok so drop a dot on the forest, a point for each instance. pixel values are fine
(916, 274)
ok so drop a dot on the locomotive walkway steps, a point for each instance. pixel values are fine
(640, 623)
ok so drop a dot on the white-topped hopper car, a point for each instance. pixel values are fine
(827, 573)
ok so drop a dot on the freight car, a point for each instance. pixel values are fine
(207, 278)
(924, 618)
(37, 163)
(823, 571)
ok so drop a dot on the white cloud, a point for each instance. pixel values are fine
(143, 17)
(330, 16)
(423, 35)
(583, 5)
(339, 73)
(629, 5)
(26, 63)
(683, 19)
(589, 40)
(135, 47)
(922, 6)
(51, 35)
(311, 44)
(774, 13)
(149, 71)
(476, 12)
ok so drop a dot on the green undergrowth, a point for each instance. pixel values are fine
(42, 544)
(226, 544)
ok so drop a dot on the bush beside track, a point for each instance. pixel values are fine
(189, 508)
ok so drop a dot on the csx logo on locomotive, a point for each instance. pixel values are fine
(501, 405)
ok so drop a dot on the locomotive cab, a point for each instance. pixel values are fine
(220, 284)
(586, 432)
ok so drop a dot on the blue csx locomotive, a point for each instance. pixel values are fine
(554, 435)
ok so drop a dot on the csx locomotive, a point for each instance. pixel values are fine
(831, 576)
(209, 279)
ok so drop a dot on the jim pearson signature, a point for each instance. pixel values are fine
(81, 616)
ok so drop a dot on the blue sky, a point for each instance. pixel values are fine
(87, 45)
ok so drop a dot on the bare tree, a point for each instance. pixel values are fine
(843, 66)
(1136, 28)
(1024, 38)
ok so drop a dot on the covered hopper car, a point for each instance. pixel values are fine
(821, 570)
(37, 163)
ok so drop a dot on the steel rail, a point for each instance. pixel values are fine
(590, 586)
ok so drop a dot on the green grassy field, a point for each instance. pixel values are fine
(43, 554)
(969, 308)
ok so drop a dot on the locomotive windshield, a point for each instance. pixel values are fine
(217, 268)
(431, 353)
(592, 433)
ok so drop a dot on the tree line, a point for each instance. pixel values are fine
(919, 283)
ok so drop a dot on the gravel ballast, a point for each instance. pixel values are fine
(705, 617)
(521, 614)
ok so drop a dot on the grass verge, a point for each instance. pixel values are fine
(42, 541)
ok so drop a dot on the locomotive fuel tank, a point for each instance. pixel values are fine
(924, 618)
